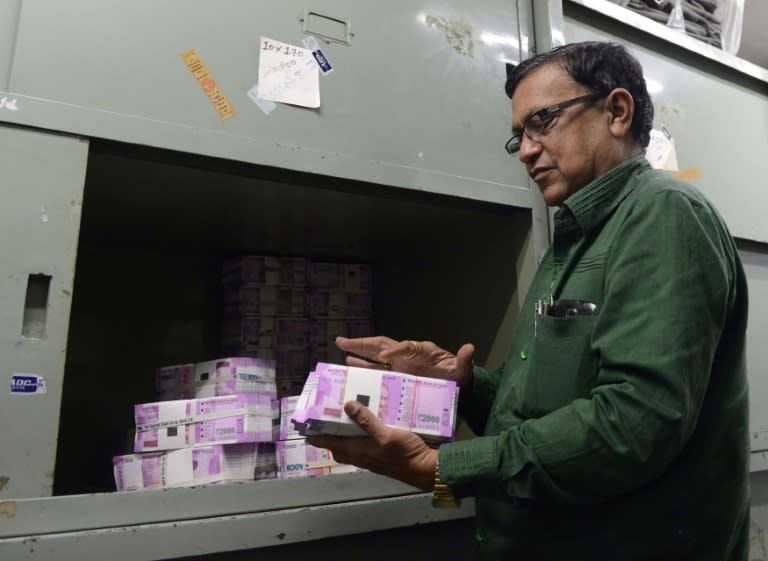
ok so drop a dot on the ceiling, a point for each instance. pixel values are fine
(754, 39)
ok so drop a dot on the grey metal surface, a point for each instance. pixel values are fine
(9, 18)
(149, 542)
(43, 177)
(668, 34)
(87, 512)
(428, 75)
(717, 118)
(549, 24)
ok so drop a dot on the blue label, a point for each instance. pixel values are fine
(23, 384)
(322, 61)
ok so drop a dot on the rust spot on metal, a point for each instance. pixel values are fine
(457, 34)
(4, 481)
(8, 509)
(280, 536)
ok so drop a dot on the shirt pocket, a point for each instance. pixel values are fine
(563, 367)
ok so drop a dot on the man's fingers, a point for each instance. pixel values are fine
(366, 347)
(365, 419)
(465, 356)
(359, 362)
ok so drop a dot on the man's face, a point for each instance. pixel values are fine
(570, 151)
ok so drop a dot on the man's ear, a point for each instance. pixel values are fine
(620, 107)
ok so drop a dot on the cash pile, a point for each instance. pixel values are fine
(295, 458)
(214, 421)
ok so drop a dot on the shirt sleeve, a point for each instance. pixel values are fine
(475, 402)
(667, 292)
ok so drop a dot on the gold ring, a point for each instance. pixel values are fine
(415, 349)
(386, 366)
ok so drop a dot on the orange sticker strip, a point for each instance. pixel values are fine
(209, 85)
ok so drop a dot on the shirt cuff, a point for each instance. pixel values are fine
(470, 467)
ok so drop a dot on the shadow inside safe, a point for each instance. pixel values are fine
(156, 226)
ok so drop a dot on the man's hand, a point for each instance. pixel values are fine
(422, 358)
(392, 452)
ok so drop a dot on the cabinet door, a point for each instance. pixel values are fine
(42, 186)
(416, 98)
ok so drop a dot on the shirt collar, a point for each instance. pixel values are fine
(588, 206)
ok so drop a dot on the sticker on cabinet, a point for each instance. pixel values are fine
(28, 384)
(265, 105)
(322, 61)
(208, 84)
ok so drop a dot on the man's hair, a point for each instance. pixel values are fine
(600, 67)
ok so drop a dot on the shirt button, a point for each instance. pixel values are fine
(480, 535)
(524, 353)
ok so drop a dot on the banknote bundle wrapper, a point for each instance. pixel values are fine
(231, 419)
(295, 458)
(195, 466)
(425, 406)
(213, 378)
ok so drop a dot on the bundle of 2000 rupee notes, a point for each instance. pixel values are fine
(424, 406)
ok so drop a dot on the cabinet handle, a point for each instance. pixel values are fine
(36, 307)
(314, 21)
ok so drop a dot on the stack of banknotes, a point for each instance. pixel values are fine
(424, 406)
(195, 466)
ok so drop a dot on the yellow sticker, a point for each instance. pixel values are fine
(209, 85)
(688, 174)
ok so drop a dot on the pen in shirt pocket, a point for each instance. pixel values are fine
(564, 308)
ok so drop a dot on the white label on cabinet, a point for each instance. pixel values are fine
(288, 74)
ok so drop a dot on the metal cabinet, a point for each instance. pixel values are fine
(42, 185)
(108, 121)
(414, 100)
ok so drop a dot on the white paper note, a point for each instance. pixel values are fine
(288, 74)
(661, 152)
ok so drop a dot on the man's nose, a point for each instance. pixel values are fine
(529, 149)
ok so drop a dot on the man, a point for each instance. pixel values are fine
(617, 427)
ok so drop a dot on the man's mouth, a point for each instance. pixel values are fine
(539, 173)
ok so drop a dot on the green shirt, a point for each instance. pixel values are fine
(624, 434)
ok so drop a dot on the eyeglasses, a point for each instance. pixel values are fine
(538, 123)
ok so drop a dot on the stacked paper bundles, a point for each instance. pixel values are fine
(424, 406)
(295, 459)
(339, 305)
(195, 466)
(266, 300)
(287, 407)
(340, 276)
(224, 376)
(266, 332)
(229, 419)
(264, 270)
(322, 337)
(266, 314)
(281, 339)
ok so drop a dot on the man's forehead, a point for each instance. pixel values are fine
(545, 86)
